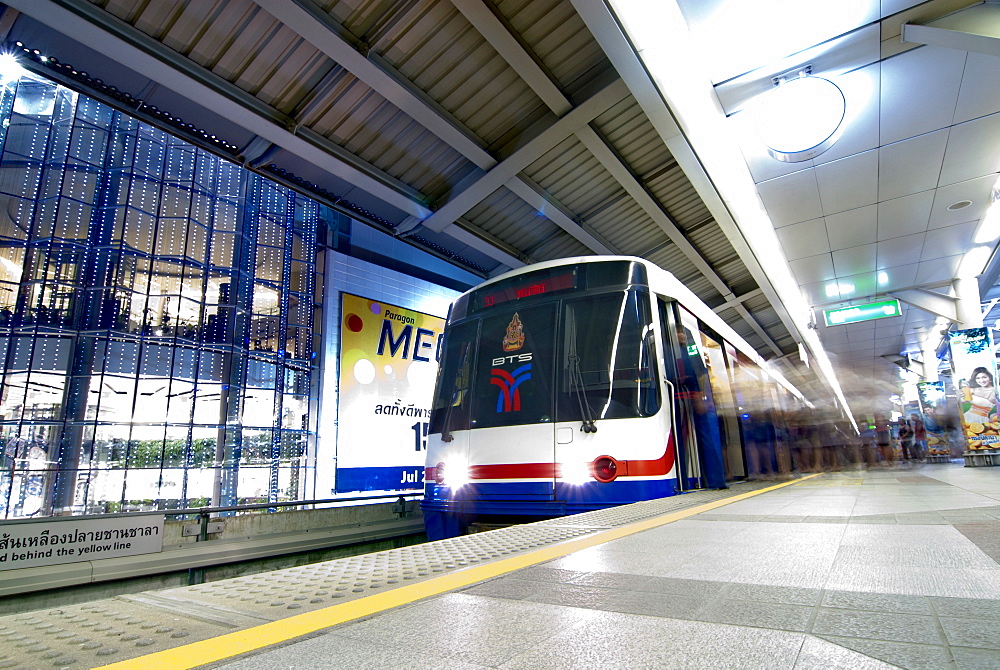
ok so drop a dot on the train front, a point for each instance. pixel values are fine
(549, 399)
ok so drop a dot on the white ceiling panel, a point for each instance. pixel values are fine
(903, 250)
(813, 269)
(792, 198)
(852, 228)
(864, 283)
(904, 216)
(950, 241)
(855, 260)
(848, 183)
(918, 92)
(800, 240)
(890, 7)
(899, 277)
(976, 191)
(972, 150)
(815, 293)
(910, 165)
(941, 269)
(974, 99)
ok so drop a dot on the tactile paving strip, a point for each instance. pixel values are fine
(106, 631)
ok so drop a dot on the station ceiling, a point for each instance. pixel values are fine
(500, 133)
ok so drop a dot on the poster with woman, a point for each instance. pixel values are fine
(974, 364)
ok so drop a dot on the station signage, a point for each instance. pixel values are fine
(857, 313)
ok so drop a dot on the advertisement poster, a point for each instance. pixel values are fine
(388, 363)
(974, 364)
(932, 410)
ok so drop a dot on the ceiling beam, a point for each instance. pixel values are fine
(334, 40)
(500, 38)
(104, 33)
(602, 23)
(497, 34)
(976, 28)
(317, 27)
(737, 299)
(527, 154)
(545, 204)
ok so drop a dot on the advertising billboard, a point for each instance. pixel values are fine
(975, 369)
(388, 363)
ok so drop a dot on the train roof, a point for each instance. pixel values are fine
(666, 284)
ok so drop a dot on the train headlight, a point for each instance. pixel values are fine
(454, 475)
(604, 469)
(575, 472)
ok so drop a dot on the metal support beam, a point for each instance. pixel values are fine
(99, 30)
(537, 147)
(976, 28)
(317, 27)
(322, 31)
(552, 209)
(929, 301)
(606, 29)
(496, 33)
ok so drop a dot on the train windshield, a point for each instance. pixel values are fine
(577, 359)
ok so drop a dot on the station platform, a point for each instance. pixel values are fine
(896, 566)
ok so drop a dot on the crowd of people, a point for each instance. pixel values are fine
(832, 444)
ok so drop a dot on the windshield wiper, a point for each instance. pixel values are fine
(576, 380)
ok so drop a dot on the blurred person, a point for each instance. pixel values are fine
(883, 439)
(919, 435)
(905, 439)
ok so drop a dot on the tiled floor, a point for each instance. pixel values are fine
(881, 569)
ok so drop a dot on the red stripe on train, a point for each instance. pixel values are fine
(627, 468)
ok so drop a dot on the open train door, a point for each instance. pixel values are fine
(696, 425)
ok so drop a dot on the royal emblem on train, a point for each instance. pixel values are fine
(514, 339)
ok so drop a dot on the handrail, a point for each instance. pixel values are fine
(206, 511)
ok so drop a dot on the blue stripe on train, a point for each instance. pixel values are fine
(446, 515)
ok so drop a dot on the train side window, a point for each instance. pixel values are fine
(453, 402)
(607, 365)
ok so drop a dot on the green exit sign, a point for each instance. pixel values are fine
(856, 313)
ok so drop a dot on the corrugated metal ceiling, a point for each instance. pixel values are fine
(443, 94)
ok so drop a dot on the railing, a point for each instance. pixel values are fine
(207, 512)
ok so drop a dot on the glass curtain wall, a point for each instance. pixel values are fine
(156, 316)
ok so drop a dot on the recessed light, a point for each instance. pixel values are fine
(961, 204)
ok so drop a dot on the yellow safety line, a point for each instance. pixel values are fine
(243, 641)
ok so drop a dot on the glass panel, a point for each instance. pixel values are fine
(181, 333)
(607, 364)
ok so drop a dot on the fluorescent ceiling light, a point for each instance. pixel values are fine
(800, 118)
(839, 288)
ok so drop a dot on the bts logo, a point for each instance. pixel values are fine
(509, 399)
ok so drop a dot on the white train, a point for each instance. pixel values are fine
(588, 382)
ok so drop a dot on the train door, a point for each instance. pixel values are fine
(697, 440)
(725, 407)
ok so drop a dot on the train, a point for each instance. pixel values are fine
(584, 383)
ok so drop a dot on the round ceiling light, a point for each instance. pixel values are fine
(800, 118)
(961, 204)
